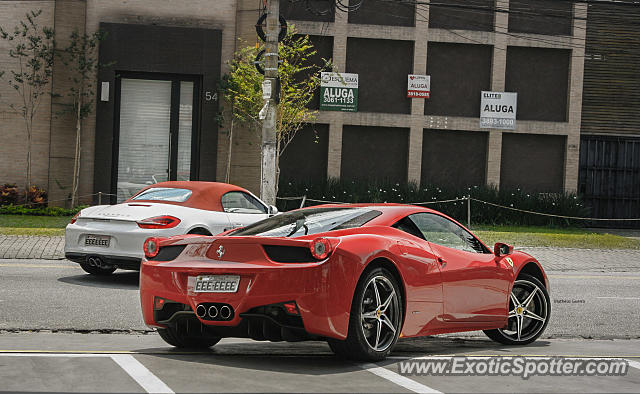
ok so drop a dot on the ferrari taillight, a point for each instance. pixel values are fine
(151, 247)
(158, 303)
(320, 248)
(159, 222)
(291, 307)
(75, 217)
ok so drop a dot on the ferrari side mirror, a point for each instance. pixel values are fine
(502, 249)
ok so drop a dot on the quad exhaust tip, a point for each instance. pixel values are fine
(213, 311)
(225, 312)
(201, 311)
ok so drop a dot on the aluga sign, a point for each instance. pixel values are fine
(498, 110)
(339, 92)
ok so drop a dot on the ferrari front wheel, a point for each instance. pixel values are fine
(375, 320)
(178, 339)
(529, 312)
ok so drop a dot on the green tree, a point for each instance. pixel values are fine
(32, 47)
(81, 60)
(241, 89)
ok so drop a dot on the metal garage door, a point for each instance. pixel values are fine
(609, 179)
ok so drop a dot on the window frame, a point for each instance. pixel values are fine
(249, 197)
(480, 244)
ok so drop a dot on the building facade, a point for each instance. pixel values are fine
(157, 114)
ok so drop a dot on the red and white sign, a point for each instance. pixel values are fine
(418, 86)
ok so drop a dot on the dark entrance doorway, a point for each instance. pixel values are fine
(156, 131)
(609, 178)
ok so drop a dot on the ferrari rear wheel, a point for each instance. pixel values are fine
(175, 338)
(375, 320)
(529, 312)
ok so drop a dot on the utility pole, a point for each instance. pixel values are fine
(269, 142)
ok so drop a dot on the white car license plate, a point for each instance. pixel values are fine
(96, 240)
(216, 284)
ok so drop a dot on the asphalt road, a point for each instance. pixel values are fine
(64, 330)
(58, 295)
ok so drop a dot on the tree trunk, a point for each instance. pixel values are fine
(28, 180)
(76, 160)
(228, 174)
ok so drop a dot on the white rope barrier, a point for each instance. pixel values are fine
(477, 200)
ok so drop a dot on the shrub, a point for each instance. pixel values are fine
(566, 204)
(9, 194)
(36, 197)
(41, 211)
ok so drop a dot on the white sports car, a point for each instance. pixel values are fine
(105, 237)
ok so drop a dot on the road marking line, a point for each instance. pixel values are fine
(593, 277)
(141, 374)
(37, 354)
(619, 298)
(400, 380)
(440, 356)
(634, 364)
(138, 372)
(37, 266)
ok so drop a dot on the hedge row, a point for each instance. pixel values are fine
(43, 211)
(566, 204)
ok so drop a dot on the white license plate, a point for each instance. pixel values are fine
(96, 240)
(216, 284)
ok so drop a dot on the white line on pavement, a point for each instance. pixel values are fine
(141, 374)
(619, 298)
(398, 379)
(147, 380)
(634, 364)
(69, 355)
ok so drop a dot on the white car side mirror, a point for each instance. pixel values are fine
(273, 210)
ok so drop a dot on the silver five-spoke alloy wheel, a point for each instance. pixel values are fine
(380, 316)
(528, 311)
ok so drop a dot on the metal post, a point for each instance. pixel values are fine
(469, 211)
(269, 142)
(99, 198)
(304, 200)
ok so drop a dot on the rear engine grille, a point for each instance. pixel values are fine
(288, 254)
(168, 253)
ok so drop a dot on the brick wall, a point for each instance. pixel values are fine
(13, 137)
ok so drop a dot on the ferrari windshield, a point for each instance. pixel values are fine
(164, 194)
(309, 221)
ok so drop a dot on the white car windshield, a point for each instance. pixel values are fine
(309, 221)
(164, 194)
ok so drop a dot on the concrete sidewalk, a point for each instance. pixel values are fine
(553, 259)
(31, 247)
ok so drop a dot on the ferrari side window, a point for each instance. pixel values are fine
(441, 231)
(239, 202)
(406, 225)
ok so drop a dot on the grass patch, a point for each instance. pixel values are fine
(553, 237)
(33, 225)
(45, 232)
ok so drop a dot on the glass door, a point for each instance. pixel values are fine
(156, 127)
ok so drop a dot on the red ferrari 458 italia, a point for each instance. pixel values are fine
(358, 276)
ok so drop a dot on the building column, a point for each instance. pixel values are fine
(494, 158)
(335, 124)
(498, 72)
(576, 75)
(414, 159)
